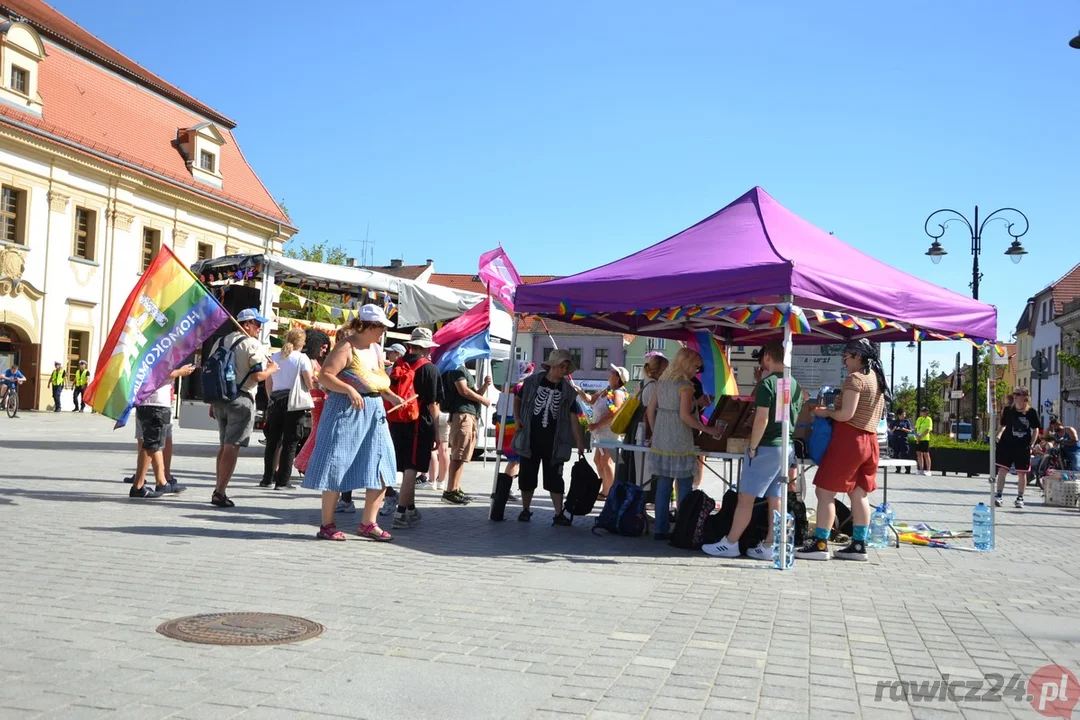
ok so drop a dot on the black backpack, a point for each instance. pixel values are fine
(219, 382)
(690, 521)
(584, 489)
(719, 524)
(623, 512)
(797, 509)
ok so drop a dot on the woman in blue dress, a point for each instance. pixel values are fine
(353, 449)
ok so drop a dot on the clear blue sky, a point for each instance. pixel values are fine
(576, 133)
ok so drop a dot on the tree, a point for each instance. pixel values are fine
(321, 253)
(986, 370)
(284, 208)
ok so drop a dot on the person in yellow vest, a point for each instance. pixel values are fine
(82, 379)
(57, 382)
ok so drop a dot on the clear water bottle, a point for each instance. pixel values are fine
(789, 526)
(890, 514)
(981, 530)
(879, 528)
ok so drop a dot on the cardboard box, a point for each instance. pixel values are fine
(736, 415)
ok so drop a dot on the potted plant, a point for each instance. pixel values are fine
(960, 457)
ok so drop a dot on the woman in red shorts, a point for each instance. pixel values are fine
(850, 463)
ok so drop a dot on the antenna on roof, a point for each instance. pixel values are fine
(367, 249)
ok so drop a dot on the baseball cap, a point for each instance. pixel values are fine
(622, 372)
(398, 348)
(558, 357)
(374, 314)
(421, 337)
(251, 314)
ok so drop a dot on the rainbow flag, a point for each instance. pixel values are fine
(165, 319)
(717, 379)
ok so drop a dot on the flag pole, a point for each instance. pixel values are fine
(509, 409)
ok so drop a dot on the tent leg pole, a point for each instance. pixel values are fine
(266, 303)
(784, 403)
(991, 397)
(509, 409)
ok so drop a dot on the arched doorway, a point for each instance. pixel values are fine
(15, 347)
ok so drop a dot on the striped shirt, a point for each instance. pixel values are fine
(871, 405)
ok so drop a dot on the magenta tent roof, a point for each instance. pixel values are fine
(756, 251)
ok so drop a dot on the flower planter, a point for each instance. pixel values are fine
(960, 462)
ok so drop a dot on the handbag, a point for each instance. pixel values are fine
(299, 396)
(625, 415)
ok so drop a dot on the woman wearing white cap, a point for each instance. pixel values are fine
(605, 403)
(353, 449)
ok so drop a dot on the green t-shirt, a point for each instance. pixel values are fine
(766, 400)
(923, 426)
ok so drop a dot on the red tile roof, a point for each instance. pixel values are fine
(1066, 288)
(92, 110)
(462, 281)
(51, 24)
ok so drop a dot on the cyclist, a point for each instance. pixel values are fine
(12, 378)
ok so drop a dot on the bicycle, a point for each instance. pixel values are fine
(11, 401)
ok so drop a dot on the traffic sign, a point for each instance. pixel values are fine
(1048, 404)
(1040, 363)
(956, 395)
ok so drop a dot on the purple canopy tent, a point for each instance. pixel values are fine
(755, 252)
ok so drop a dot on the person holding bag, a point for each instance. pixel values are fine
(605, 406)
(289, 391)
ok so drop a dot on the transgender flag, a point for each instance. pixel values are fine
(499, 275)
(466, 338)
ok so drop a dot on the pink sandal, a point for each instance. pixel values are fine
(330, 532)
(374, 532)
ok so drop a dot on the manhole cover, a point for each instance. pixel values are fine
(240, 629)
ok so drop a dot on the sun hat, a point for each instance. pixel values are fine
(558, 357)
(622, 372)
(421, 338)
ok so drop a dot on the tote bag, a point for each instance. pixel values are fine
(625, 415)
(299, 396)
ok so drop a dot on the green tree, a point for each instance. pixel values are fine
(321, 253)
(284, 208)
(986, 370)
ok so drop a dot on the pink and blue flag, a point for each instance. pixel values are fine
(500, 276)
(465, 338)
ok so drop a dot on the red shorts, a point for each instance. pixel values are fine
(850, 461)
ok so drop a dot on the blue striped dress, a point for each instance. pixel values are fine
(353, 449)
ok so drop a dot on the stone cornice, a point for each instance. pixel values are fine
(58, 202)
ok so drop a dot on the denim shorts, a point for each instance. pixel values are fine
(765, 475)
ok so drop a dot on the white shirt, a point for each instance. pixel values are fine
(162, 397)
(296, 363)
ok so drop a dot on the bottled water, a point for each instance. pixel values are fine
(789, 527)
(981, 530)
(890, 514)
(879, 528)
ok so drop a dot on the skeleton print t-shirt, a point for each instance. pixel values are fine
(1019, 426)
(545, 412)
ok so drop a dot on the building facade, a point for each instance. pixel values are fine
(1025, 336)
(102, 164)
(1047, 306)
(1069, 398)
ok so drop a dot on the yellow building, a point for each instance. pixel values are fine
(101, 164)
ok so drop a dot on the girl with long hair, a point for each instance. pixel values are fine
(281, 423)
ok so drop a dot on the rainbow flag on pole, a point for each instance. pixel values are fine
(164, 320)
(717, 379)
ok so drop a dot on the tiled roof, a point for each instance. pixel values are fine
(51, 24)
(1024, 323)
(1064, 289)
(462, 281)
(93, 110)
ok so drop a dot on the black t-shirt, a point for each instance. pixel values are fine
(428, 387)
(1018, 427)
(544, 413)
(455, 402)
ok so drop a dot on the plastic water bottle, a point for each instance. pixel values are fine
(890, 514)
(789, 526)
(879, 528)
(981, 530)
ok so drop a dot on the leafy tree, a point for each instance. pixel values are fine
(986, 370)
(284, 208)
(321, 252)
(906, 397)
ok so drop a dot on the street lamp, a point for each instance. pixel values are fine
(1015, 252)
(1075, 42)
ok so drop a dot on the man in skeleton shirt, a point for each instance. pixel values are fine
(547, 430)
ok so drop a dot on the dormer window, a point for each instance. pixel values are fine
(21, 50)
(201, 147)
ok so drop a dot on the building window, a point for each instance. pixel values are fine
(85, 226)
(547, 353)
(519, 353)
(206, 251)
(207, 161)
(600, 359)
(654, 344)
(151, 244)
(575, 356)
(77, 345)
(1056, 367)
(636, 372)
(20, 80)
(12, 211)
(1042, 311)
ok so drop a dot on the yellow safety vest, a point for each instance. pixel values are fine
(57, 378)
(82, 378)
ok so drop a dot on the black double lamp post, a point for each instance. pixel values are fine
(1015, 252)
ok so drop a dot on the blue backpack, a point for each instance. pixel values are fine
(219, 381)
(623, 512)
(818, 442)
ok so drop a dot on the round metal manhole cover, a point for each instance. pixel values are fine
(240, 629)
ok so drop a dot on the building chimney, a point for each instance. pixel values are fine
(351, 262)
(396, 262)
(430, 262)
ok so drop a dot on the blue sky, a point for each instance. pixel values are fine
(576, 133)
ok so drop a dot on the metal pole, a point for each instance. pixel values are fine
(991, 397)
(509, 409)
(784, 401)
(976, 250)
(918, 377)
(892, 368)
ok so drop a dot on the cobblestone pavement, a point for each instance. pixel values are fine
(463, 618)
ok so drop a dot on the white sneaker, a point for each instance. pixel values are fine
(347, 508)
(761, 552)
(439, 486)
(723, 549)
(1019, 504)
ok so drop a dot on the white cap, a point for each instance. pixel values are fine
(374, 314)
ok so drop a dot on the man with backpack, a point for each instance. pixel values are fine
(765, 470)
(463, 404)
(230, 378)
(414, 425)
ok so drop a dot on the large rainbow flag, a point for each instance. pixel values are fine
(164, 320)
(717, 378)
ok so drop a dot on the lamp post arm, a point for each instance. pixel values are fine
(996, 215)
(952, 215)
